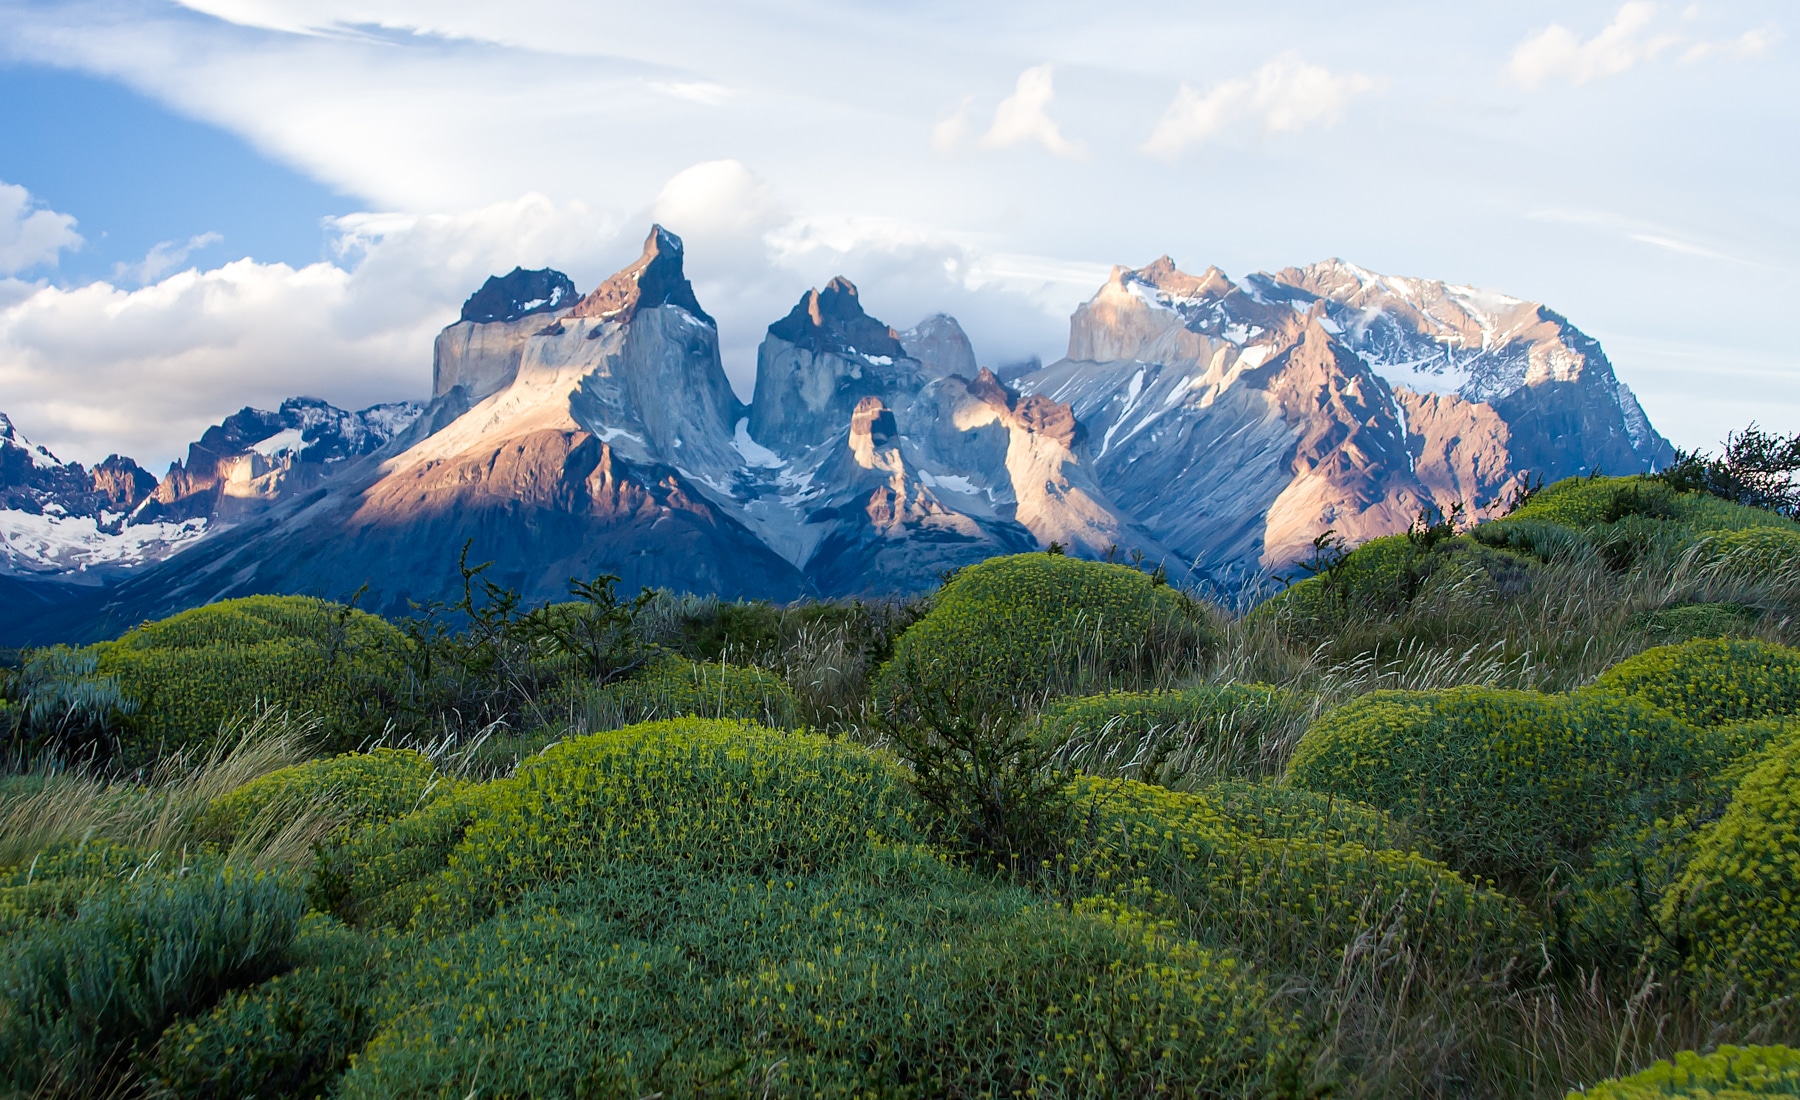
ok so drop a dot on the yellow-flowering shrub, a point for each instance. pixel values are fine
(1729, 1073)
(1297, 887)
(891, 973)
(675, 687)
(384, 874)
(1171, 737)
(356, 789)
(1011, 631)
(1759, 551)
(700, 795)
(1737, 903)
(1508, 783)
(1710, 681)
(193, 671)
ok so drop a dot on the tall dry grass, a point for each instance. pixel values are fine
(163, 813)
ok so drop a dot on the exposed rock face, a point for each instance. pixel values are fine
(519, 293)
(1238, 420)
(655, 279)
(940, 344)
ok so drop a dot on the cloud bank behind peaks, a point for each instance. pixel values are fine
(1631, 39)
(31, 236)
(1285, 95)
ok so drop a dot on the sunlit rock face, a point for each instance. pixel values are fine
(1237, 420)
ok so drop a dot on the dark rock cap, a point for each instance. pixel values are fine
(519, 293)
(654, 279)
(832, 320)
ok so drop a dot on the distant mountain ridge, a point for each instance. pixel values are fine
(1213, 425)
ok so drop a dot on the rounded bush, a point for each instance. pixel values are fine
(288, 1037)
(695, 795)
(192, 672)
(676, 687)
(1294, 883)
(1508, 783)
(1759, 551)
(354, 790)
(1735, 903)
(1175, 738)
(1711, 681)
(1588, 501)
(1685, 622)
(1011, 631)
(891, 974)
(1729, 1073)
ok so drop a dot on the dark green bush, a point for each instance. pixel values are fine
(288, 1037)
(1509, 784)
(192, 672)
(890, 974)
(675, 687)
(62, 706)
(1685, 622)
(1384, 575)
(360, 788)
(383, 874)
(1010, 632)
(1729, 1073)
(1175, 738)
(79, 999)
(1710, 681)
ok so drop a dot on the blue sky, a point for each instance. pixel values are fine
(229, 201)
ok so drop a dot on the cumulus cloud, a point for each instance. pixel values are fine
(952, 130)
(1286, 94)
(31, 236)
(1023, 118)
(1631, 39)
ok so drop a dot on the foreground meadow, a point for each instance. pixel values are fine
(1505, 811)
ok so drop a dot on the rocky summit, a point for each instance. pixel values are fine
(1214, 425)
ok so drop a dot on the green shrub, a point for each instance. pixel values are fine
(1288, 813)
(1509, 784)
(64, 707)
(1734, 907)
(1710, 681)
(675, 687)
(79, 998)
(383, 874)
(359, 788)
(1009, 632)
(890, 973)
(52, 884)
(1174, 738)
(192, 672)
(288, 1037)
(1759, 551)
(1729, 1073)
(1589, 501)
(1685, 622)
(704, 795)
(1288, 879)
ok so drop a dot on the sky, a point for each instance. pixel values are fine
(216, 203)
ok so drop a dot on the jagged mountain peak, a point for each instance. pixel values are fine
(519, 293)
(655, 278)
(1163, 274)
(831, 319)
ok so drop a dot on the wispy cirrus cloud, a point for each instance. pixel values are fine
(1636, 35)
(1285, 95)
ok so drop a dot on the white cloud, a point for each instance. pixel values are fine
(31, 236)
(1023, 118)
(163, 257)
(950, 132)
(1287, 94)
(1558, 53)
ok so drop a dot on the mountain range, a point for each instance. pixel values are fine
(1211, 425)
